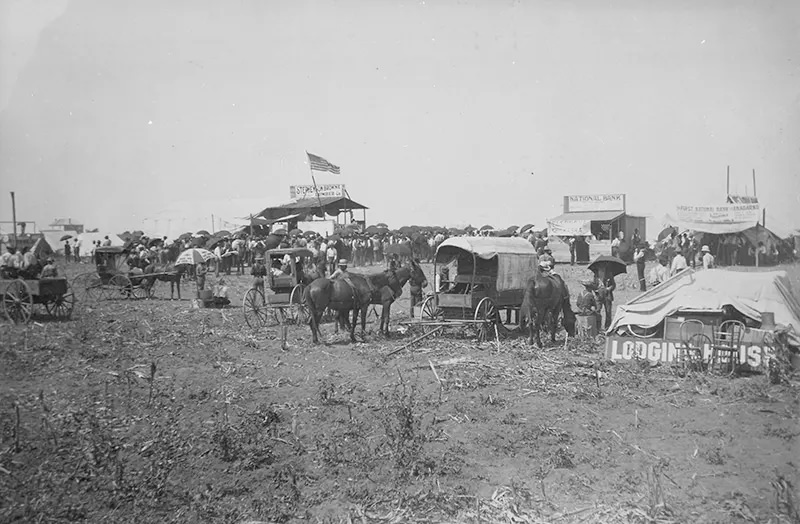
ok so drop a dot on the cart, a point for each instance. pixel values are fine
(487, 275)
(19, 295)
(284, 302)
(113, 278)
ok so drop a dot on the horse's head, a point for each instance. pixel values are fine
(418, 277)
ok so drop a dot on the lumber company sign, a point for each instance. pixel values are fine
(325, 190)
(754, 355)
(581, 203)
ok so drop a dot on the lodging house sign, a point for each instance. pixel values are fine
(583, 203)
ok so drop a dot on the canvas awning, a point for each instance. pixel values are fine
(311, 206)
(579, 223)
(751, 293)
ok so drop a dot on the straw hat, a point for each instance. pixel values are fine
(589, 283)
(705, 249)
(343, 262)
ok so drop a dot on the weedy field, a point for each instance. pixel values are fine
(152, 411)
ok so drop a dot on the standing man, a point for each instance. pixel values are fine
(67, 251)
(605, 293)
(638, 258)
(678, 263)
(259, 271)
(708, 258)
(77, 251)
(201, 275)
(572, 241)
(615, 244)
(331, 254)
(415, 291)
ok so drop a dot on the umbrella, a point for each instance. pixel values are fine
(613, 264)
(667, 231)
(223, 233)
(65, 237)
(371, 230)
(202, 232)
(279, 232)
(512, 228)
(310, 233)
(295, 231)
(154, 241)
(381, 224)
(407, 229)
(382, 230)
(525, 228)
(194, 256)
(456, 231)
(398, 249)
(137, 234)
(486, 227)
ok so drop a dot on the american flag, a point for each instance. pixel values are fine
(320, 164)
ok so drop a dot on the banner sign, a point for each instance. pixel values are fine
(726, 214)
(754, 355)
(568, 228)
(580, 203)
(325, 190)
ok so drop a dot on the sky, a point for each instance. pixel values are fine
(447, 112)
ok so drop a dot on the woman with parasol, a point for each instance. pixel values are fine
(605, 268)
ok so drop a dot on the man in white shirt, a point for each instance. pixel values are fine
(331, 256)
(660, 273)
(678, 263)
(708, 258)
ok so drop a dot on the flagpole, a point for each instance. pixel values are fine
(314, 180)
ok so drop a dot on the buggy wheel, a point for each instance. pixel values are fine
(487, 314)
(18, 302)
(298, 312)
(87, 287)
(145, 288)
(429, 311)
(255, 313)
(61, 306)
(119, 286)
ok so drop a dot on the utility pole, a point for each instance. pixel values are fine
(14, 218)
(728, 187)
(754, 184)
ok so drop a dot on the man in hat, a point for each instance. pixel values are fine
(259, 271)
(586, 301)
(544, 267)
(678, 263)
(708, 258)
(639, 260)
(50, 270)
(547, 256)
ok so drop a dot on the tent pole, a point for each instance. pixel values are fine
(14, 218)
(754, 184)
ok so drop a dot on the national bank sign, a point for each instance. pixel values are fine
(582, 203)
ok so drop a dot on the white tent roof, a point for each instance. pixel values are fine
(489, 247)
(751, 293)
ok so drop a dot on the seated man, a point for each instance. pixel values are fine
(276, 270)
(221, 294)
(50, 270)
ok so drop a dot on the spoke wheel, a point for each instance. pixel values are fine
(487, 314)
(18, 302)
(144, 288)
(429, 311)
(87, 287)
(298, 312)
(255, 312)
(119, 287)
(61, 306)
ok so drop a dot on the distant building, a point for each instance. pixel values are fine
(65, 224)
(739, 199)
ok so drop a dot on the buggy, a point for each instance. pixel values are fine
(286, 280)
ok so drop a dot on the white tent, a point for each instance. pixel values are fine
(750, 292)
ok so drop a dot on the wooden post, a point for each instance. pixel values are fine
(764, 217)
(728, 187)
(284, 333)
(14, 218)
(754, 184)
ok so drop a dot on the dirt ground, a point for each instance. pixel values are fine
(152, 411)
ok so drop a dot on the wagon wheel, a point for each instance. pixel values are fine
(61, 306)
(18, 302)
(298, 312)
(119, 286)
(145, 288)
(88, 287)
(429, 311)
(255, 312)
(487, 313)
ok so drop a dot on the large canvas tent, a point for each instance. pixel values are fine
(751, 293)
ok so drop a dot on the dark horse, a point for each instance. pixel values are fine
(546, 297)
(339, 296)
(386, 297)
(169, 273)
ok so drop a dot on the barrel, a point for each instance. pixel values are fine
(586, 325)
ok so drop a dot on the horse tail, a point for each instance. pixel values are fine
(526, 309)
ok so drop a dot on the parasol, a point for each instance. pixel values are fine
(381, 224)
(667, 231)
(512, 228)
(138, 233)
(295, 232)
(613, 264)
(223, 233)
(398, 249)
(65, 237)
(184, 236)
(194, 256)
(279, 232)
(487, 227)
(525, 228)
(371, 230)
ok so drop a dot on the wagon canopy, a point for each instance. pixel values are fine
(511, 260)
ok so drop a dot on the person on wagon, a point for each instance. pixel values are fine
(50, 270)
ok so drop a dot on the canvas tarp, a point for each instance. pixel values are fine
(579, 223)
(513, 271)
(488, 247)
(751, 293)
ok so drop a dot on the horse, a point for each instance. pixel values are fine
(545, 298)
(168, 273)
(340, 296)
(385, 296)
